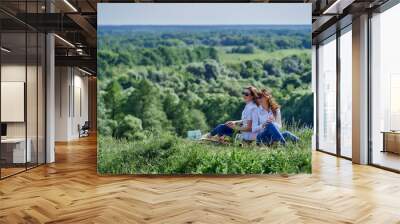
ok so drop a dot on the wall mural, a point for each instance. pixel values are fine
(204, 88)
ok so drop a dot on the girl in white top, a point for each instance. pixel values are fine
(247, 122)
(245, 125)
(268, 122)
(264, 116)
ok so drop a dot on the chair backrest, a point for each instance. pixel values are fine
(86, 124)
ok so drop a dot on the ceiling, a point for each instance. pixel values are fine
(328, 15)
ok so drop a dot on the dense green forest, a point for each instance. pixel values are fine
(179, 78)
(157, 82)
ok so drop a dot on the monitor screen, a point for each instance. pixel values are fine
(3, 129)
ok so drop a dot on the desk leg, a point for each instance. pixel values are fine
(384, 142)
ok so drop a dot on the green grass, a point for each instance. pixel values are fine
(169, 154)
(230, 58)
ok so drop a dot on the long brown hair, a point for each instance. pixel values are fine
(253, 92)
(273, 105)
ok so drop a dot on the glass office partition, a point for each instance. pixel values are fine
(327, 95)
(35, 49)
(14, 145)
(346, 92)
(385, 89)
(22, 77)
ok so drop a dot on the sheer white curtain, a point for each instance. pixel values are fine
(327, 96)
(346, 93)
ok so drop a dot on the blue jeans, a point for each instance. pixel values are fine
(271, 134)
(289, 136)
(221, 130)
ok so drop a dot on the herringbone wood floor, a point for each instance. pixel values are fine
(70, 191)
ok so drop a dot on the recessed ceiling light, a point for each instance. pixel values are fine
(70, 5)
(84, 71)
(64, 40)
(5, 50)
(337, 7)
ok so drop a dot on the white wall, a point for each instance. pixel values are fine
(79, 117)
(62, 82)
(33, 126)
(14, 72)
(70, 83)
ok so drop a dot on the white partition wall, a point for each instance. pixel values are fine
(71, 102)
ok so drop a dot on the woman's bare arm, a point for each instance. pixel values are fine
(247, 128)
(232, 124)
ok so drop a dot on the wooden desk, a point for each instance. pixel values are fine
(13, 150)
(391, 141)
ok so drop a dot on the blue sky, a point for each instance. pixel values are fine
(203, 14)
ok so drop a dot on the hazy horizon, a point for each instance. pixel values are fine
(171, 14)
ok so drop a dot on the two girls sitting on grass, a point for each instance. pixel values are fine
(261, 120)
